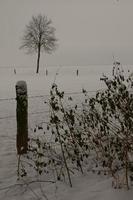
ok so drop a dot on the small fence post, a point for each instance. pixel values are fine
(22, 117)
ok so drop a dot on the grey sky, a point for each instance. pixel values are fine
(89, 31)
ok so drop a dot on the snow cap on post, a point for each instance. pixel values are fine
(21, 88)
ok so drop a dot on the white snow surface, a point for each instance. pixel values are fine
(85, 187)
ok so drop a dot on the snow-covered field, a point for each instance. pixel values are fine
(87, 187)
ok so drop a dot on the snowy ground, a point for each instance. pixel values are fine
(87, 187)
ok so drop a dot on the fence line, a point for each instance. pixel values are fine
(8, 117)
(7, 99)
(33, 113)
(40, 96)
(47, 95)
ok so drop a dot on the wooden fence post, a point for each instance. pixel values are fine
(22, 117)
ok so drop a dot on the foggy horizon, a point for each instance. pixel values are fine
(89, 32)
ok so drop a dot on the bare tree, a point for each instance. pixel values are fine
(39, 36)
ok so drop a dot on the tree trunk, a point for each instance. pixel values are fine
(38, 58)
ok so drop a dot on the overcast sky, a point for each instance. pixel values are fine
(88, 31)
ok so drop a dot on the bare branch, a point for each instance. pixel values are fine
(39, 36)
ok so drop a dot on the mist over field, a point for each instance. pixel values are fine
(66, 99)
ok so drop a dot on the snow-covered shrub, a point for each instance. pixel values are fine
(109, 116)
(100, 129)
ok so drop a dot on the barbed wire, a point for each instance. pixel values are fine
(47, 95)
(7, 117)
(7, 99)
(40, 96)
(32, 113)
